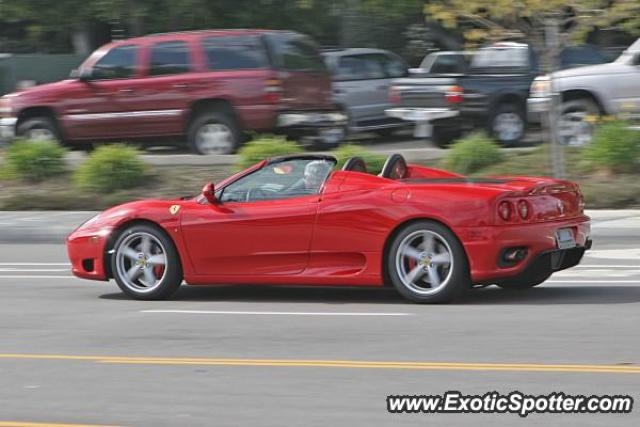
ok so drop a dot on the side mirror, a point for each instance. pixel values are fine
(85, 74)
(209, 193)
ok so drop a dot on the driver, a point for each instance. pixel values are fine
(315, 173)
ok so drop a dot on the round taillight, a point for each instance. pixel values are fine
(523, 209)
(505, 210)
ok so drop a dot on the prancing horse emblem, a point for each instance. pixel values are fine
(174, 209)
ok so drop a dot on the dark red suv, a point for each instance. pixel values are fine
(208, 87)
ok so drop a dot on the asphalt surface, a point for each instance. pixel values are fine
(78, 352)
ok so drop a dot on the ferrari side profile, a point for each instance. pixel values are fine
(296, 220)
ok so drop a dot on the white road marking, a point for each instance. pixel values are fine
(34, 270)
(36, 277)
(622, 254)
(35, 263)
(593, 281)
(276, 313)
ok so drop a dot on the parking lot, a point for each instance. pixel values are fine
(306, 356)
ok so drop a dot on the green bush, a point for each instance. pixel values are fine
(110, 168)
(472, 153)
(615, 148)
(265, 147)
(34, 161)
(373, 160)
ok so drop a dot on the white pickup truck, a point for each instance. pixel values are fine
(587, 93)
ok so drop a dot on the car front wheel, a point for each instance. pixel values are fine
(145, 263)
(427, 263)
(39, 129)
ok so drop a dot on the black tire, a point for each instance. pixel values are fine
(454, 285)
(526, 282)
(214, 118)
(515, 112)
(31, 127)
(172, 277)
(443, 136)
(385, 133)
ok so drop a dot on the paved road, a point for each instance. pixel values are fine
(77, 352)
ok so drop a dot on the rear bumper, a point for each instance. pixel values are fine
(421, 114)
(485, 245)
(7, 128)
(311, 120)
(422, 117)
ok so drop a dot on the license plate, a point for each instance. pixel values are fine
(565, 238)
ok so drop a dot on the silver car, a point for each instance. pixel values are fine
(361, 79)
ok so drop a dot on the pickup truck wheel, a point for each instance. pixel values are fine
(508, 124)
(39, 129)
(213, 133)
(574, 126)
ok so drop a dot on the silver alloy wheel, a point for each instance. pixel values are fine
(141, 262)
(508, 126)
(214, 138)
(574, 130)
(424, 262)
(40, 134)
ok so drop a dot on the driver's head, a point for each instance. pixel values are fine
(315, 172)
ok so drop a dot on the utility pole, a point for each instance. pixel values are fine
(552, 39)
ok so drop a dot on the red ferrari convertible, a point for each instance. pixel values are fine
(295, 220)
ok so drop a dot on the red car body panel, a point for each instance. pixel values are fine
(339, 236)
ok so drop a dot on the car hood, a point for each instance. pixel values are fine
(590, 70)
(43, 89)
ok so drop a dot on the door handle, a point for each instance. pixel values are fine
(126, 91)
(180, 86)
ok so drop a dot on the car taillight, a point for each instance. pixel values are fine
(273, 91)
(454, 95)
(505, 210)
(581, 202)
(394, 95)
(524, 210)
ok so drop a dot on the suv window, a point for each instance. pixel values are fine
(361, 67)
(235, 53)
(169, 58)
(118, 63)
(296, 53)
(282, 180)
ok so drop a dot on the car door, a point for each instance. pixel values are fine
(260, 226)
(157, 102)
(90, 109)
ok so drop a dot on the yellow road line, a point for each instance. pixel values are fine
(24, 424)
(435, 366)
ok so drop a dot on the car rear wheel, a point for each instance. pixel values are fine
(145, 263)
(427, 263)
(214, 133)
(508, 124)
(39, 129)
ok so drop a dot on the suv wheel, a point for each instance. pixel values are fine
(39, 129)
(213, 133)
(508, 124)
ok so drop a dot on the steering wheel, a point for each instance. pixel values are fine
(257, 194)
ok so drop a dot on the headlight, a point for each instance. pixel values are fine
(5, 105)
(541, 87)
